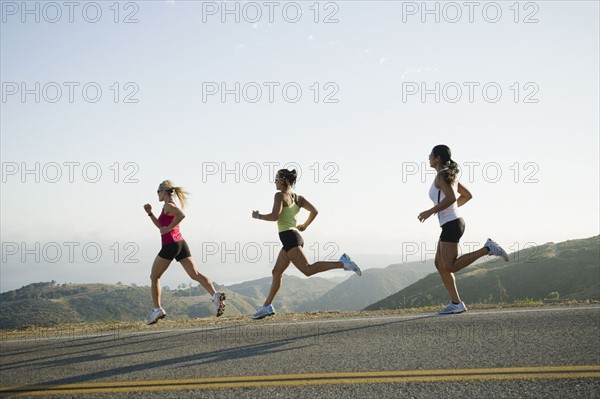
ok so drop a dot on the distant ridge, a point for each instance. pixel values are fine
(375, 284)
(294, 292)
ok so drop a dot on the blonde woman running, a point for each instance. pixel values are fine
(286, 206)
(174, 247)
(447, 195)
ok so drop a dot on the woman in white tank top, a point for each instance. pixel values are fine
(447, 194)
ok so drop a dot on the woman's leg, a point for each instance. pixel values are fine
(453, 231)
(466, 259)
(298, 258)
(281, 265)
(158, 268)
(448, 263)
(445, 257)
(190, 267)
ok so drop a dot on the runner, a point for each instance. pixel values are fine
(174, 247)
(443, 193)
(286, 206)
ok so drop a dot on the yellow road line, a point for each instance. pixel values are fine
(288, 380)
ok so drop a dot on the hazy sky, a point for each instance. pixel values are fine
(101, 101)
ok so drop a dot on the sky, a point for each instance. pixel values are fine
(101, 101)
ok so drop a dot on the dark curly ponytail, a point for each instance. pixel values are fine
(452, 170)
(289, 176)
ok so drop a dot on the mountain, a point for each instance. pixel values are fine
(295, 292)
(567, 270)
(375, 284)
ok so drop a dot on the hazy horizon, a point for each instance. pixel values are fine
(177, 276)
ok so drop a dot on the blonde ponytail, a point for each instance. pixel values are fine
(169, 188)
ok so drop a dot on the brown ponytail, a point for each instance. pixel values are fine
(452, 169)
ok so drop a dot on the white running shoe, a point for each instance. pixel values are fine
(218, 299)
(495, 249)
(263, 312)
(453, 308)
(156, 315)
(349, 265)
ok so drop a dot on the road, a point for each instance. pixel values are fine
(504, 353)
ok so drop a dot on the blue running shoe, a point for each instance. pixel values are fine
(263, 312)
(349, 265)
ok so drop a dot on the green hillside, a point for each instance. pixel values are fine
(375, 284)
(569, 271)
(51, 304)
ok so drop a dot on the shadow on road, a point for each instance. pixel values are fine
(280, 341)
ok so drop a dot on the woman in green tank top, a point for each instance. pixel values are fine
(286, 206)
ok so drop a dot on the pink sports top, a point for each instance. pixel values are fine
(172, 236)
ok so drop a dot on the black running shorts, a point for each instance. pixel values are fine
(453, 230)
(175, 250)
(291, 239)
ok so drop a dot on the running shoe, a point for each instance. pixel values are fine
(156, 315)
(263, 312)
(349, 264)
(453, 308)
(219, 301)
(495, 249)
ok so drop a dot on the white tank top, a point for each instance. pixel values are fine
(445, 215)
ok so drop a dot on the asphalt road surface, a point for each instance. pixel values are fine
(505, 353)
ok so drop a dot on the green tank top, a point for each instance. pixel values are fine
(287, 217)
